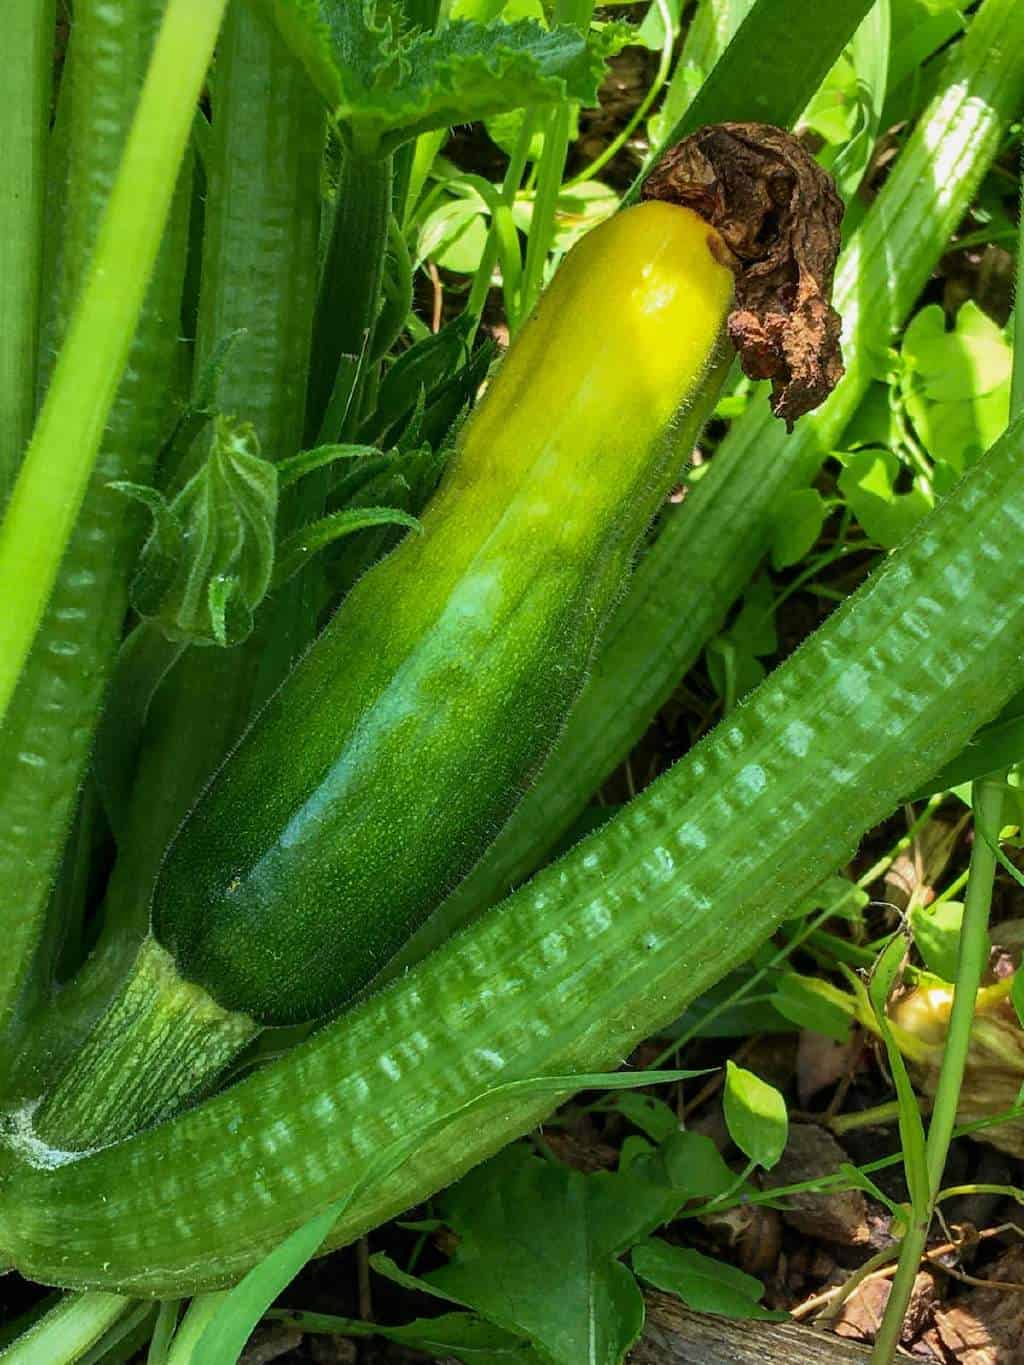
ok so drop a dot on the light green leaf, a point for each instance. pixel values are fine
(651, 1115)
(755, 1115)
(868, 485)
(799, 518)
(703, 1284)
(936, 931)
(817, 1005)
(971, 360)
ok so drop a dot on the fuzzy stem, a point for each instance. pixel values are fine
(161, 1038)
(67, 1331)
(60, 457)
(28, 67)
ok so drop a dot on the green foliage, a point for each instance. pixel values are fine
(811, 1003)
(956, 384)
(703, 1284)
(545, 1224)
(755, 1115)
(936, 933)
(385, 89)
(734, 657)
(799, 518)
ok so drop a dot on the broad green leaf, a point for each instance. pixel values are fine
(542, 1224)
(936, 931)
(464, 250)
(703, 1284)
(442, 227)
(755, 1115)
(525, 1225)
(868, 484)
(817, 1005)
(958, 434)
(383, 89)
(798, 521)
(971, 360)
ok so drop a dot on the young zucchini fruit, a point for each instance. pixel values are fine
(372, 780)
(431, 698)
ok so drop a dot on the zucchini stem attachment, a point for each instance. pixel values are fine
(159, 1041)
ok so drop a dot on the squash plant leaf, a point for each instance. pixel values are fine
(385, 89)
(545, 1224)
(703, 1284)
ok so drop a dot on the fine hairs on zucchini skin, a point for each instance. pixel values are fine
(441, 684)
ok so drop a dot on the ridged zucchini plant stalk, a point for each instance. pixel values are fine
(569, 974)
(305, 866)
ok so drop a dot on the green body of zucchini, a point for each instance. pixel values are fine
(377, 774)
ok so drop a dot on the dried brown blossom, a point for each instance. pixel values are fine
(779, 215)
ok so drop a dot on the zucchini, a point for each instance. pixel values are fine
(431, 698)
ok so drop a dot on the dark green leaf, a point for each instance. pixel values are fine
(703, 1284)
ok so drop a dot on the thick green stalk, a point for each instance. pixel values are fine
(54, 476)
(708, 35)
(66, 1332)
(46, 737)
(28, 69)
(778, 53)
(160, 1041)
(598, 952)
(262, 220)
(710, 547)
